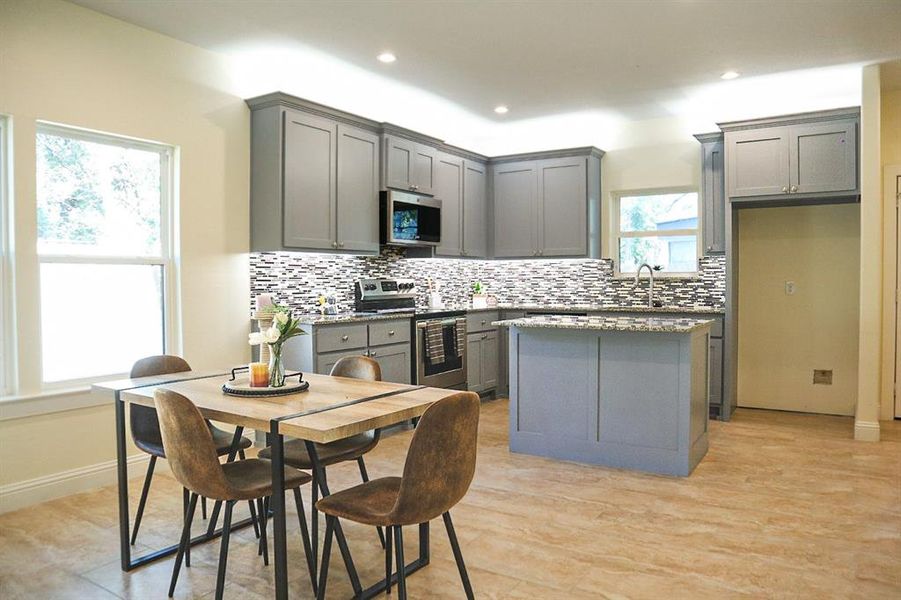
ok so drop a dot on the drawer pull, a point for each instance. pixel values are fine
(344, 338)
(484, 321)
(391, 332)
(371, 353)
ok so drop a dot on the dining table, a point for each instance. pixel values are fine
(332, 408)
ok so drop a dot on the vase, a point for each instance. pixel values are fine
(276, 368)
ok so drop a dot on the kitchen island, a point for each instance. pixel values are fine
(620, 391)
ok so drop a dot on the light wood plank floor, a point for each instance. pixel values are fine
(783, 506)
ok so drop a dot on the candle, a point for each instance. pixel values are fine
(259, 374)
(264, 300)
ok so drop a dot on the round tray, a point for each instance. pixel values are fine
(242, 388)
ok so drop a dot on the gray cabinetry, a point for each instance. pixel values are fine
(713, 192)
(716, 372)
(394, 361)
(358, 189)
(481, 361)
(515, 209)
(409, 165)
(309, 181)
(793, 159)
(563, 207)
(449, 175)
(475, 209)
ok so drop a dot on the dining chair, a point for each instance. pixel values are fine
(194, 460)
(145, 430)
(348, 449)
(439, 467)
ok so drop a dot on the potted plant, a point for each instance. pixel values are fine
(283, 328)
(479, 297)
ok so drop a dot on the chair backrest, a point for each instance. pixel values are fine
(144, 424)
(357, 367)
(189, 446)
(441, 460)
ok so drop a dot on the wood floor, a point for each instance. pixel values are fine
(783, 506)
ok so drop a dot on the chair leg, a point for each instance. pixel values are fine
(326, 554)
(264, 541)
(223, 550)
(203, 507)
(144, 490)
(184, 544)
(401, 566)
(186, 502)
(314, 519)
(305, 537)
(388, 570)
(365, 477)
(253, 518)
(458, 556)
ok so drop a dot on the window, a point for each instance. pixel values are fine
(659, 228)
(103, 240)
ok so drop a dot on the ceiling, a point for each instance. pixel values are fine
(626, 60)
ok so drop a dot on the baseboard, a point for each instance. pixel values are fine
(49, 487)
(866, 431)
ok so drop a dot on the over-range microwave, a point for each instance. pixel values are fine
(409, 219)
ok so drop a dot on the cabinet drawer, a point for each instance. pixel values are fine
(389, 332)
(341, 337)
(481, 321)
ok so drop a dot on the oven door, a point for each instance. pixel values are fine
(412, 220)
(450, 373)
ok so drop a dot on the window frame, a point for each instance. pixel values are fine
(616, 233)
(167, 259)
(8, 367)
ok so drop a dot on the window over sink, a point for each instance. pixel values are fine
(104, 241)
(657, 227)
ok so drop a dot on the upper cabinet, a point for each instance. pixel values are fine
(314, 183)
(798, 158)
(462, 186)
(409, 165)
(475, 209)
(713, 192)
(547, 207)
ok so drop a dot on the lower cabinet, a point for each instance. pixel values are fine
(481, 361)
(394, 361)
(716, 372)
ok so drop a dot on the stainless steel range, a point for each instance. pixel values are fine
(438, 336)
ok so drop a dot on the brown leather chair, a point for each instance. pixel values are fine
(145, 429)
(440, 465)
(195, 463)
(352, 448)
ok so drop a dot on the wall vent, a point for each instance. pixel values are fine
(822, 376)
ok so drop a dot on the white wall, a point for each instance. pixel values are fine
(66, 64)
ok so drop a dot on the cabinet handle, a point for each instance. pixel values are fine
(484, 335)
(391, 332)
(541, 253)
(484, 321)
(793, 188)
(340, 244)
(371, 353)
(344, 338)
(709, 248)
(784, 189)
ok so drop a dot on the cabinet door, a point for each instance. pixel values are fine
(515, 209)
(488, 360)
(326, 360)
(716, 371)
(563, 207)
(449, 189)
(309, 181)
(503, 351)
(823, 157)
(474, 362)
(399, 162)
(422, 176)
(714, 192)
(358, 189)
(758, 162)
(475, 209)
(394, 361)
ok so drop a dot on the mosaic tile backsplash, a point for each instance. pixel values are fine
(296, 279)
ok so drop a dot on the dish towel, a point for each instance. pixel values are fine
(434, 342)
(459, 337)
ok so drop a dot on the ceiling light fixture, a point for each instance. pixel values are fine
(501, 110)
(387, 57)
(729, 75)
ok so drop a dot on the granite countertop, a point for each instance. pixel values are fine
(563, 308)
(642, 324)
(349, 317)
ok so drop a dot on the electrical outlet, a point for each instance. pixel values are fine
(822, 376)
(789, 288)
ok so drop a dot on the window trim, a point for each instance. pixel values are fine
(8, 363)
(615, 233)
(167, 258)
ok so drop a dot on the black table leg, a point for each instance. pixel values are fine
(280, 542)
(122, 476)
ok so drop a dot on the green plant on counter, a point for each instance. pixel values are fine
(477, 288)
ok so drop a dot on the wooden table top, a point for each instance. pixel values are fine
(205, 390)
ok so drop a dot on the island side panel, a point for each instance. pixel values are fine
(622, 399)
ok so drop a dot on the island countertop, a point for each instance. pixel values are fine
(609, 323)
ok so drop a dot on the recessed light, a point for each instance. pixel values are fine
(501, 110)
(387, 57)
(729, 75)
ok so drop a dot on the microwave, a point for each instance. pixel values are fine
(409, 219)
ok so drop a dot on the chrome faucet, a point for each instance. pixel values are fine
(650, 286)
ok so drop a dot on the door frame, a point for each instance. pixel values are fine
(890, 407)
